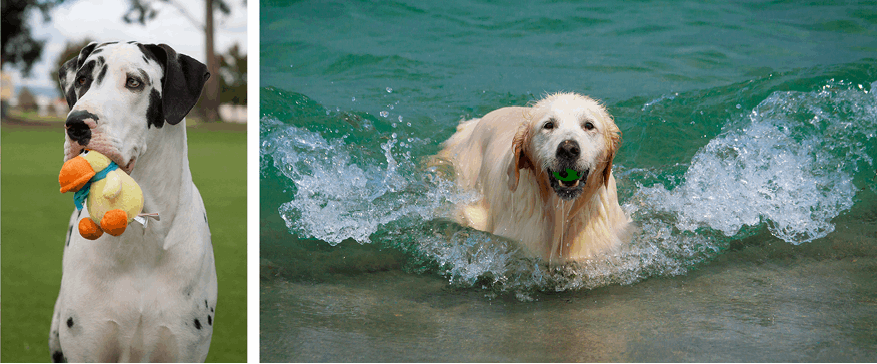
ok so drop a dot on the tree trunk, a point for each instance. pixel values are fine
(211, 91)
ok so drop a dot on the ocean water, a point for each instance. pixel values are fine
(747, 164)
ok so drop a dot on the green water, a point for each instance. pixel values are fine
(747, 162)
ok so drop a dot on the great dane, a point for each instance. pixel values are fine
(150, 293)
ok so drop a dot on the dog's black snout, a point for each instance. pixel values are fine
(568, 149)
(77, 129)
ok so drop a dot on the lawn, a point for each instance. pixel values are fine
(34, 220)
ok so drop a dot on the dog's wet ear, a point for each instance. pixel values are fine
(613, 141)
(67, 73)
(181, 85)
(519, 156)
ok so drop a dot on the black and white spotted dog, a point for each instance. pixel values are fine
(150, 293)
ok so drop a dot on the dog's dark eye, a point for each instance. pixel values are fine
(82, 80)
(548, 126)
(133, 83)
(589, 126)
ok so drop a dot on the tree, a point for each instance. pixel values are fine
(233, 76)
(26, 100)
(71, 49)
(19, 48)
(141, 11)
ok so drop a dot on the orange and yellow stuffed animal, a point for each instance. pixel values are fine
(112, 196)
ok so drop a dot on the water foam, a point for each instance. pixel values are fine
(344, 195)
(789, 164)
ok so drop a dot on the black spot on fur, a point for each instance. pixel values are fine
(58, 357)
(205, 304)
(145, 59)
(211, 309)
(82, 115)
(205, 216)
(84, 53)
(69, 322)
(209, 320)
(103, 72)
(154, 114)
(197, 324)
(69, 232)
(148, 54)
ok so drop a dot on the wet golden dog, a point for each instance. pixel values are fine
(545, 176)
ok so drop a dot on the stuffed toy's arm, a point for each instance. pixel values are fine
(113, 185)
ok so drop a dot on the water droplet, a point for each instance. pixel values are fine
(738, 106)
(353, 98)
(394, 135)
(385, 113)
(389, 90)
(409, 123)
(400, 120)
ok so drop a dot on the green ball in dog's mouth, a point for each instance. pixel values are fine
(571, 175)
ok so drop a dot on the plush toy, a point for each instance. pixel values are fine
(113, 198)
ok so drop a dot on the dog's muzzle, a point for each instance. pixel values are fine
(567, 181)
(77, 130)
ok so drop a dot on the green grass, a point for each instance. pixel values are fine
(34, 220)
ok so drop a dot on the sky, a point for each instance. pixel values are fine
(101, 20)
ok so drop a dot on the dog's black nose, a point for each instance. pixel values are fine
(77, 130)
(568, 149)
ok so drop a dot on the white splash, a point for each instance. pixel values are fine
(790, 165)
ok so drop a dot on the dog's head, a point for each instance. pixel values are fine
(118, 92)
(569, 140)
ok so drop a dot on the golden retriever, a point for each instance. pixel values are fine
(544, 174)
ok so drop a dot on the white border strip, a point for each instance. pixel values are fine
(252, 242)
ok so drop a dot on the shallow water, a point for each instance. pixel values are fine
(747, 163)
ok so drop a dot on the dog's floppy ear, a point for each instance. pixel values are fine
(181, 85)
(613, 141)
(519, 155)
(67, 73)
